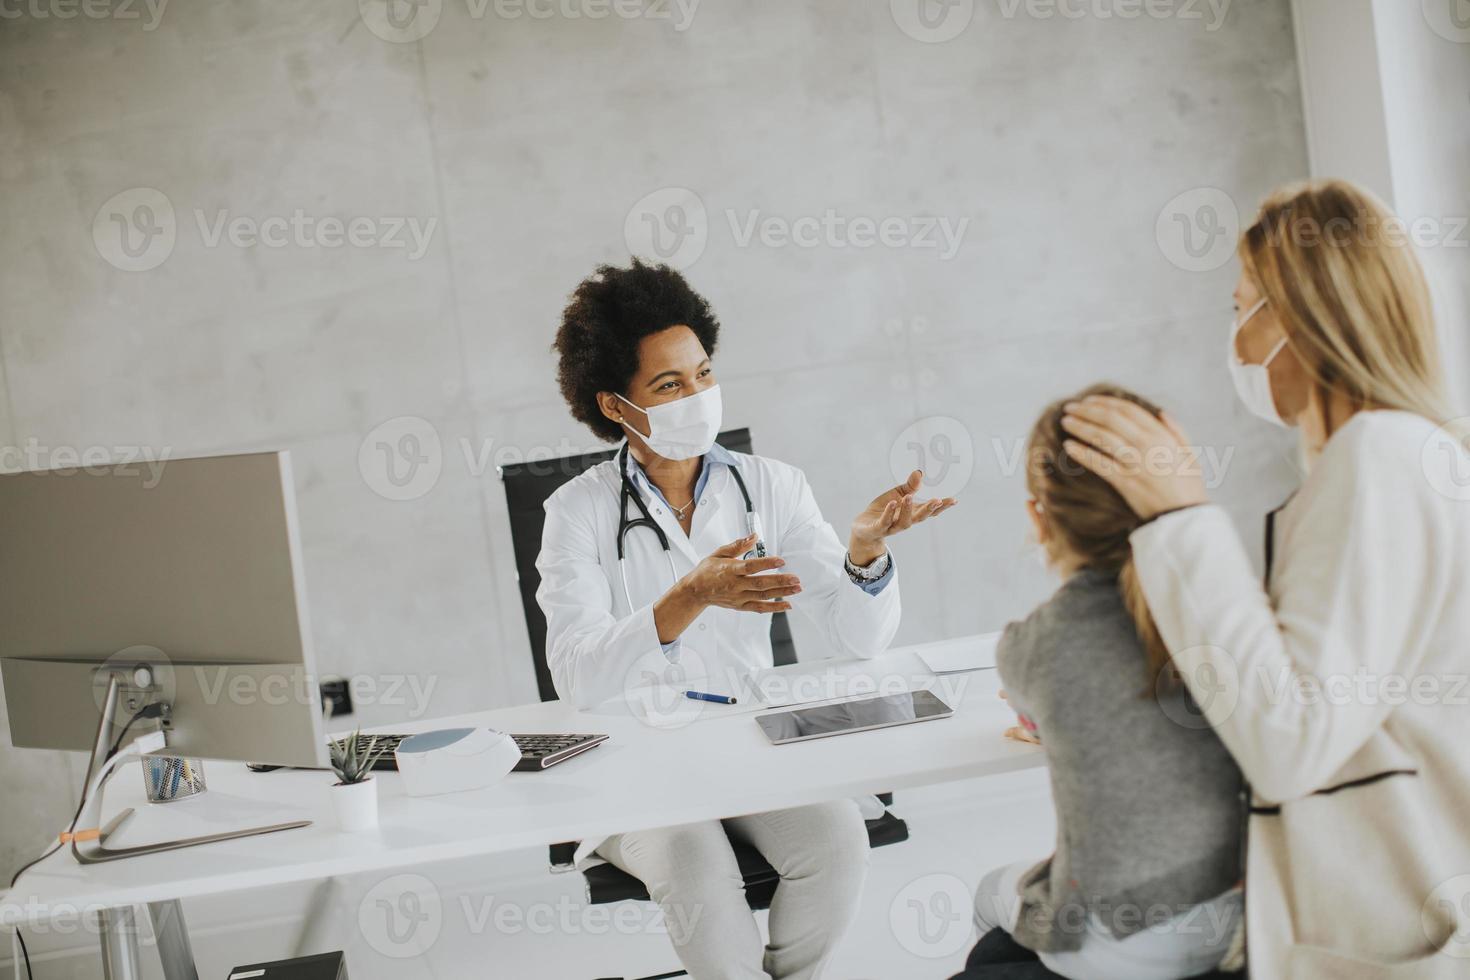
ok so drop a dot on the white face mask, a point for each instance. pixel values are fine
(1253, 381)
(684, 428)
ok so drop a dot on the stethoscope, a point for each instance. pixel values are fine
(645, 519)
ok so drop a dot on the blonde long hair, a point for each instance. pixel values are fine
(1092, 522)
(1337, 268)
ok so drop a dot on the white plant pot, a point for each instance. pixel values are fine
(356, 804)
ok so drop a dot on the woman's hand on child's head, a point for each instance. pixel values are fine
(1147, 459)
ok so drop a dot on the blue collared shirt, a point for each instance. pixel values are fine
(718, 455)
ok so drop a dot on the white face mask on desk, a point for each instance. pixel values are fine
(1253, 381)
(683, 428)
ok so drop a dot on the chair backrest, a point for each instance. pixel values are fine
(527, 486)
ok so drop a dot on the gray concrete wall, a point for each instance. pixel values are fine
(1096, 165)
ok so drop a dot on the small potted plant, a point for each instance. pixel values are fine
(355, 795)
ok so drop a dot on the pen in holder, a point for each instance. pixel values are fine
(167, 779)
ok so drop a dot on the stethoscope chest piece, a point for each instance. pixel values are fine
(753, 526)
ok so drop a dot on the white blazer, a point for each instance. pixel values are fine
(594, 641)
(1359, 845)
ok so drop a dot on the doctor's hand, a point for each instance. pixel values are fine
(891, 512)
(727, 580)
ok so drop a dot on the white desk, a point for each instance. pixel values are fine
(642, 777)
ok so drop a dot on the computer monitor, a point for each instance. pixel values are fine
(190, 568)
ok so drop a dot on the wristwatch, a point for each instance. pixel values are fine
(863, 574)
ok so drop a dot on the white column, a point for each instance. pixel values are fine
(1386, 91)
(1424, 52)
(1342, 92)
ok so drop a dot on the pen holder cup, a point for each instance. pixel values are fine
(167, 779)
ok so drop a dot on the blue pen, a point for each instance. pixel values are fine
(701, 696)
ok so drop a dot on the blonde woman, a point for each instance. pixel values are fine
(1338, 687)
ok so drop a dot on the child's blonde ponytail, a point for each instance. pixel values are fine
(1161, 672)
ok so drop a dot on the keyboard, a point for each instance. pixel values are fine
(537, 751)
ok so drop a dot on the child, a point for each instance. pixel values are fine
(1143, 881)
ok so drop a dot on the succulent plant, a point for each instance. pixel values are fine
(352, 761)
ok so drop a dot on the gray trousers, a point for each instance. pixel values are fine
(821, 853)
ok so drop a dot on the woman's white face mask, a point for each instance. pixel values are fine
(684, 428)
(1253, 381)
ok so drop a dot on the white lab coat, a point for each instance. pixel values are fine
(594, 642)
(597, 647)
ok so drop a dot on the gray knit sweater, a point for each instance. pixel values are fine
(1147, 798)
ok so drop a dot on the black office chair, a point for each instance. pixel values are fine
(527, 486)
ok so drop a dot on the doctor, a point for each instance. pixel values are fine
(678, 551)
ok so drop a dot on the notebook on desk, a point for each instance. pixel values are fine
(960, 658)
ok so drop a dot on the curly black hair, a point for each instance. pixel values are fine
(609, 313)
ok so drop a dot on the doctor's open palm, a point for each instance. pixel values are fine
(731, 581)
(890, 512)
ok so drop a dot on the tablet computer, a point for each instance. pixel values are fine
(865, 715)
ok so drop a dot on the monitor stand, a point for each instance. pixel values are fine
(99, 770)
